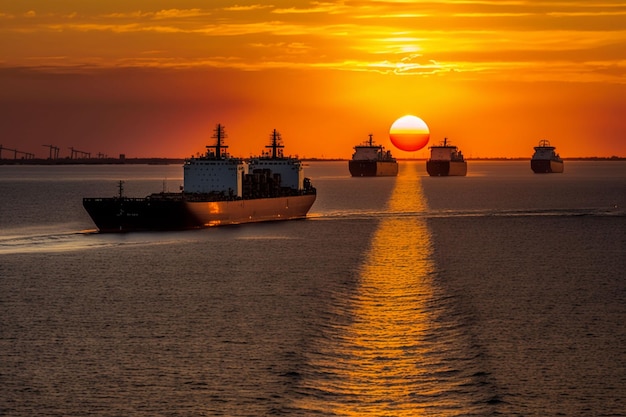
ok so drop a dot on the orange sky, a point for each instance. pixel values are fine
(153, 77)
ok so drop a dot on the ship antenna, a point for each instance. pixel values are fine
(275, 143)
(371, 139)
(219, 135)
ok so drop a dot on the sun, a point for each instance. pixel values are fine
(409, 133)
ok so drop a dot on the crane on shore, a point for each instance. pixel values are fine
(54, 151)
(27, 155)
(75, 153)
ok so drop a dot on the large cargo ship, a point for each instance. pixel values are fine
(370, 160)
(446, 160)
(218, 190)
(545, 160)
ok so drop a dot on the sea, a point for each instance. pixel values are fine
(502, 293)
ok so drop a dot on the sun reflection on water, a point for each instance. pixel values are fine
(393, 353)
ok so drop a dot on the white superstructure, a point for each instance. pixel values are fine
(289, 169)
(216, 171)
(545, 151)
(445, 152)
(368, 151)
(214, 175)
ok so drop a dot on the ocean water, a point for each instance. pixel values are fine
(499, 293)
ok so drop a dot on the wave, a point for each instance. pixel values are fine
(55, 239)
(30, 241)
(436, 214)
(48, 242)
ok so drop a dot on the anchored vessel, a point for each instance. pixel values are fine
(218, 190)
(545, 160)
(446, 160)
(370, 160)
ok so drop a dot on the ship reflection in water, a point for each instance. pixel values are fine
(396, 349)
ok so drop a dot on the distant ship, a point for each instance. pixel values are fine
(218, 190)
(545, 160)
(370, 160)
(446, 160)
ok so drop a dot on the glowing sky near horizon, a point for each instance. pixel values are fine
(153, 77)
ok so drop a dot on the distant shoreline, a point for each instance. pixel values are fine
(577, 158)
(173, 161)
(93, 161)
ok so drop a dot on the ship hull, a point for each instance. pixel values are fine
(361, 168)
(446, 168)
(250, 211)
(145, 214)
(546, 166)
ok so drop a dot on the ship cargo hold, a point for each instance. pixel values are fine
(545, 160)
(218, 190)
(371, 160)
(446, 160)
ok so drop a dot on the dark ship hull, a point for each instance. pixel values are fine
(362, 168)
(218, 190)
(545, 160)
(175, 212)
(446, 168)
(546, 166)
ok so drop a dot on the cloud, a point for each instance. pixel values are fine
(177, 13)
(457, 36)
(315, 8)
(252, 7)
(158, 15)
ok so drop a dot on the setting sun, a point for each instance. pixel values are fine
(409, 133)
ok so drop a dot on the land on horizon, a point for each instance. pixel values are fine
(172, 161)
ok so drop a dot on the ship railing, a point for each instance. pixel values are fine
(212, 196)
(95, 199)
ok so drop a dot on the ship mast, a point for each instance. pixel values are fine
(219, 137)
(276, 144)
(371, 140)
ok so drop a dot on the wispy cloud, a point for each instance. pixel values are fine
(238, 8)
(159, 14)
(314, 7)
(460, 36)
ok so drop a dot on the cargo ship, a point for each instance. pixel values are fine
(217, 190)
(370, 160)
(545, 160)
(446, 160)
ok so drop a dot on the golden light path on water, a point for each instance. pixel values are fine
(388, 358)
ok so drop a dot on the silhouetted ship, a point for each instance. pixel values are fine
(446, 160)
(545, 160)
(218, 190)
(370, 160)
